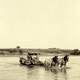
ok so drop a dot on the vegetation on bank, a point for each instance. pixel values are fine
(75, 52)
(21, 51)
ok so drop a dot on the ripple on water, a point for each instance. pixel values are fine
(10, 69)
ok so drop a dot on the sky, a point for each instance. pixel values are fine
(40, 24)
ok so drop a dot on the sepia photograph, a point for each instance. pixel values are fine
(39, 39)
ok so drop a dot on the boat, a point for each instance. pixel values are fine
(34, 61)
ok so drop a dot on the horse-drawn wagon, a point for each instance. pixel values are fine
(31, 59)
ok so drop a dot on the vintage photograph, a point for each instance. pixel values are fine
(39, 39)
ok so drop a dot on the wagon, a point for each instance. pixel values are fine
(35, 60)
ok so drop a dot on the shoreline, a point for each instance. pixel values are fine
(25, 55)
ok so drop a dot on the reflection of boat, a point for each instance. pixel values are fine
(34, 61)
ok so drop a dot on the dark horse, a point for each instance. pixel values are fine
(55, 61)
(64, 61)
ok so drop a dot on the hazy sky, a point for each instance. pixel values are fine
(40, 23)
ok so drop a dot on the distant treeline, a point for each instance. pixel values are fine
(21, 51)
(75, 52)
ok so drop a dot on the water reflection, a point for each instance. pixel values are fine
(60, 75)
(39, 73)
(65, 76)
(10, 69)
(56, 77)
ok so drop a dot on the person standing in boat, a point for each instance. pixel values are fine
(29, 57)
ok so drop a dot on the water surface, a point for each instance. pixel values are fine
(10, 69)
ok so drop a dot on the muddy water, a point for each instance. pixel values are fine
(10, 69)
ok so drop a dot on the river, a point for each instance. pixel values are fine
(10, 69)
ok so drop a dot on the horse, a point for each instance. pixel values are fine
(50, 65)
(47, 64)
(64, 61)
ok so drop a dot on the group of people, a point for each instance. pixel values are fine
(64, 60)
(32, 59)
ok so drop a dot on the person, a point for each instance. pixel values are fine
(29, 57)
(66, 58)
(55, 60)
